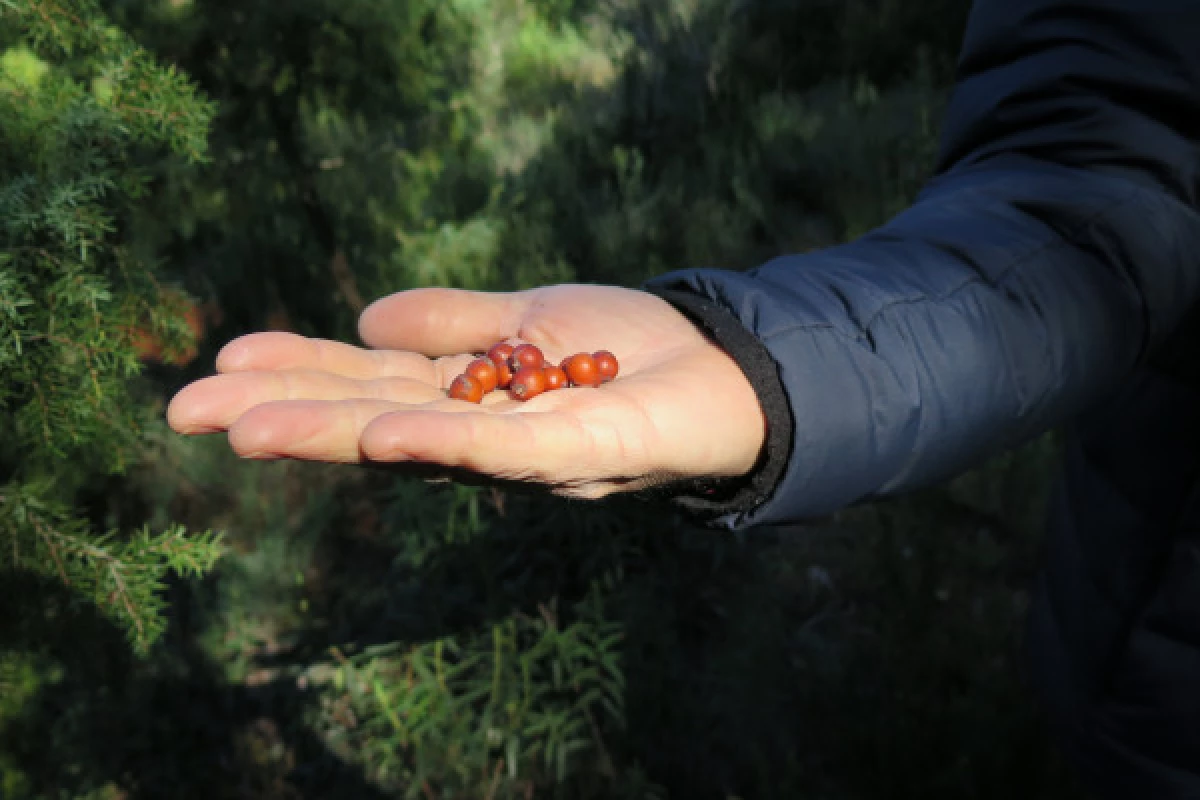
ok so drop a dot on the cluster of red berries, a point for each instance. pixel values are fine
(523, 370)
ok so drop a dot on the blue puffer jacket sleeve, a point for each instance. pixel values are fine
(1057, 244)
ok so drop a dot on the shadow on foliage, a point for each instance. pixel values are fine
(169, 726)
(717, 646)
(704, 649)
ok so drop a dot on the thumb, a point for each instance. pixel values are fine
(441, 322)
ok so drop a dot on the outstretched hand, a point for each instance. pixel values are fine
(680, 408)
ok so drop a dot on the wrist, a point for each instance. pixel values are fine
(757, 374)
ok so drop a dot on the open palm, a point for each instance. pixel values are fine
(681, 407)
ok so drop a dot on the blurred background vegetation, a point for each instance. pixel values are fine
(371, 637)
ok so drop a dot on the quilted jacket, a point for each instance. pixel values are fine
(1043, 278)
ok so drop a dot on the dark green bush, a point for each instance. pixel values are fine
(373, 637)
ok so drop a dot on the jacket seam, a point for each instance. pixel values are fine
(1005, 273)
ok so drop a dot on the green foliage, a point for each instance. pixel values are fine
(342, 128)
(370, 637)
(81, 105)
(123, 574)
(522, 705)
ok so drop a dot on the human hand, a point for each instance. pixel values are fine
(680, 408)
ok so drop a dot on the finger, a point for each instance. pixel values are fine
(439, 322)
(547, 447)
(316, 430)
(279, 350)
(214, 403)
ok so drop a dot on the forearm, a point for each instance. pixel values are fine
(1053, 250)
(998, 306)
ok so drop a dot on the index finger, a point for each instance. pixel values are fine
(442, 322)
(281, 350)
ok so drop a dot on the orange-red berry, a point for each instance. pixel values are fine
(581, 369)
(528, 384)
(464, 387)
(526, 356)
(555, 377)
(606, 365)
(484, 371)
(504, 375)
(500, 353)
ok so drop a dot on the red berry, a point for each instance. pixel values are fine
(499, 353)
(528, 384)
(555, 377)
(464, 387)
(527, 356)
(504, 374)
(484, 371)
(606, 365)
(581, 369)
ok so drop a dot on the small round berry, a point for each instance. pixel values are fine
(484, 371)
(504, 375)
(528, 384)
(581, 369)
(528, 356)
(499, 354)
(606, 365)
(464, 387)
(555, 377)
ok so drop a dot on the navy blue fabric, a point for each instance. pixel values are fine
(1057, 244)
(1114, 640)
(1055, 250)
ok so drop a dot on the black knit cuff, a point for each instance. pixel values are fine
(709, 499)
